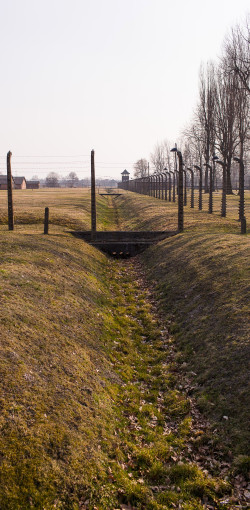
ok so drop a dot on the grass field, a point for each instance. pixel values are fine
(148, 213)
(71, 208)
(110, 369)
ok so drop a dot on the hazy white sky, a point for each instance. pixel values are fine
(116, 76)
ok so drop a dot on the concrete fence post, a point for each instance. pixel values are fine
(93, 197)
(10, 195)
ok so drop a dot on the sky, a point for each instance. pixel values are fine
(116, 76)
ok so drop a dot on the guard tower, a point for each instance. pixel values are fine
(125, 175)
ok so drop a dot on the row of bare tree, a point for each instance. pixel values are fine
(220, 124)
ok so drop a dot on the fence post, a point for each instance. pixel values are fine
(200, 189)
(185, 187)
(162, 187)
(242, 217)
(46, 220)
(243, 224)
(192, 188)
(180, 194)
(170, 187)
(180, 190)
(210, 200)
(93, 198)
(173, 185)
(10, 197)
(200, 186)
(241, 190)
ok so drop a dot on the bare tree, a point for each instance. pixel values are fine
(194, 145)
(72, 179)
(225, 124)
(236, 58)
(158, 157)
(168, 157)
(242, 119)
(52, 180)
(194, 139)
(206, 112)
(141, 168)
(236, 62)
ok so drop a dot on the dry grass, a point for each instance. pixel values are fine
(75, 366)
(202, 283)
(147, 213)
(53, 405)
(68, 208)
(75, 370)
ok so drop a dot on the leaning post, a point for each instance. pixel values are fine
(93, 197)
(10, 195)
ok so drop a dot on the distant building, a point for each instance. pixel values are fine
(32, 184)
(3, 182)
(19, 182)
(125, 175)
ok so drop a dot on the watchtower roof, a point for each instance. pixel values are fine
(125, 172)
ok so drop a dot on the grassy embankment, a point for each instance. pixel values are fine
(91, 411)
(201, 279)
(148, 213)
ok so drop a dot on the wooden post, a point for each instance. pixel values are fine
(10, 197)
(46, 220)
(93, 197)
